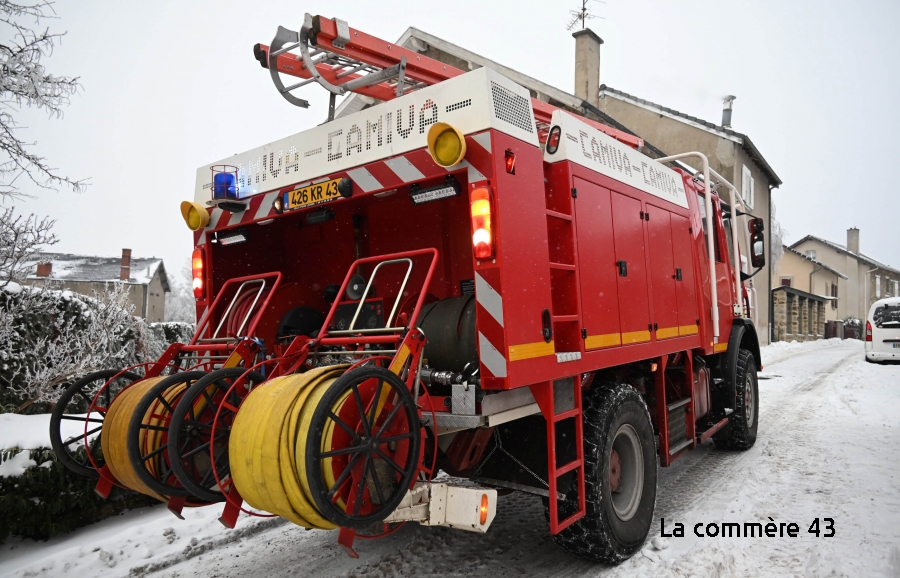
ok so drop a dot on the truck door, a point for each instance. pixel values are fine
(663, 276)
(630, 269)
(596, 265)
(685, 291)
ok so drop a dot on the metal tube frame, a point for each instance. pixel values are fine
(711, 252)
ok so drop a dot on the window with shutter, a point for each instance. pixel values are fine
(747, 186)
(877, 286)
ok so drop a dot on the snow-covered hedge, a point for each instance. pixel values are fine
(49, 337)
(40, 497)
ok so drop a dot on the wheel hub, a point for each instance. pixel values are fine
(629, 482)
(615, 471)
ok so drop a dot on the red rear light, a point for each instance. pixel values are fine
(510, 162)
(197, 273)
(482, 234)
(868, 331)
(553, 139)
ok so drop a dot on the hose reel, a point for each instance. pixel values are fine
(328, 447)
(134, 437)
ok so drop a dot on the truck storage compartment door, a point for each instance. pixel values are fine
(630, 269)
(663, 272)
(596, 265)
(685, 289)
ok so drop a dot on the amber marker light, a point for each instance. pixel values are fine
(483, 511)
(446, 144)
(194, 214)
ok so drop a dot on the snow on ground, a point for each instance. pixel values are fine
(29, 432)
(827, 448)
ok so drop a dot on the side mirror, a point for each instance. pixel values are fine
(758, 249)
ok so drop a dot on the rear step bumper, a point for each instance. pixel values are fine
(436, 504)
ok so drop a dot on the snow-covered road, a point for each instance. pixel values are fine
(828, 447)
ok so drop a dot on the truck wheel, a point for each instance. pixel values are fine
(740, 434)
(620, 476)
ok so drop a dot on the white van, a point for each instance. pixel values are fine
(883, 330)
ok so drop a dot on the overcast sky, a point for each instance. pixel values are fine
(169, 86)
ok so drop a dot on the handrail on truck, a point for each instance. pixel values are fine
(711, 253)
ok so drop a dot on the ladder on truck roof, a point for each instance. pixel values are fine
(341, 59)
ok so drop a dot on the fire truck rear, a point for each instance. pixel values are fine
(452, 294)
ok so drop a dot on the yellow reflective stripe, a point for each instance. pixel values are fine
(531, 350)
(635, 337)
(687, 330)
(400, 359)
(666, 332)
(396, 367)
(720, 347)
(598, 341)
(233, 360)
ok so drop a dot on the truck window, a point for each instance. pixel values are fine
(729, 241)
(705, 232)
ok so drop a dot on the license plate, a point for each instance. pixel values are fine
(312, 195)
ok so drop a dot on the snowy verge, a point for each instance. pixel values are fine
(780, 350)
(32, 432)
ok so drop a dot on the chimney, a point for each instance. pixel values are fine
(587, 66)
(853, 240)
(726, 111)
(125, 269)
(44, 269)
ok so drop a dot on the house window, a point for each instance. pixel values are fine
(811, 254)
(834, 293)
(896, 288)
(786, 281)
(877, 286)
(747, 187)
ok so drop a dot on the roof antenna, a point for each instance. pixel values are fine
(582, 15)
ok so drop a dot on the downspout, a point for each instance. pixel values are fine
(814, 271)
(865, 314)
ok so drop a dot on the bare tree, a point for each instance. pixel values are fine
(24, 81)
(21, 238)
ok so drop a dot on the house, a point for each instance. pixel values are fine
(145, 279)
(804, 297)
(865, 281)
(663, 130)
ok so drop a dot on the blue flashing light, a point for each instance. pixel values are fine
(224, 186)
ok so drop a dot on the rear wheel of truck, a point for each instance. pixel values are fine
(620, 476)
(740, 433)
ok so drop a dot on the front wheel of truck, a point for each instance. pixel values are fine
(620, 476)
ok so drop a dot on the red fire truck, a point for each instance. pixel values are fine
(459, 279)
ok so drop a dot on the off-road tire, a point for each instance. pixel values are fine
(740, 433)
(601, 535)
